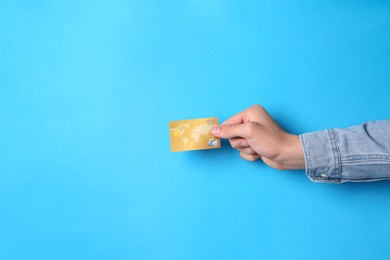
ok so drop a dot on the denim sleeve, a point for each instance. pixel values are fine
(358, 153)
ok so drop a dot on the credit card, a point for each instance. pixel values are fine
(193, 134)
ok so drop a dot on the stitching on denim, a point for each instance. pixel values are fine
(366, 157)
(339, 155)
(307, 159)
(334, 139)
(324, 180)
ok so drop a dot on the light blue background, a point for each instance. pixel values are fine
(87, 89)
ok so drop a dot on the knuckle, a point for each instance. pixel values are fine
(251, 128)
(252, 152)
(234, 144)
(222, 131)
(258, 107)
(248, 151)
(249, 157)
(225, 131)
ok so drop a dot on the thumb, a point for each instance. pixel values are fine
(228, 131)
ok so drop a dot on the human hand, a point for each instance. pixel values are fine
(256, 135)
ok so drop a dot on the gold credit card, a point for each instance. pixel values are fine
(193, 134)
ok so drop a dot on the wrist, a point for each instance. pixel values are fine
(293, 157)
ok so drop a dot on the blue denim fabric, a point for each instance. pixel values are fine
(358, 153)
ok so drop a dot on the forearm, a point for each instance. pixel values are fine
(358, 153)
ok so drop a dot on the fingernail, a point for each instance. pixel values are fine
(244, 144)
(215, 129)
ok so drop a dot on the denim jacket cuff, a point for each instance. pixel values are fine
(322, 156)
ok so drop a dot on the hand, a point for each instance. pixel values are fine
(256, 135)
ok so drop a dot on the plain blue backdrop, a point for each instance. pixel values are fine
(87, 89)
